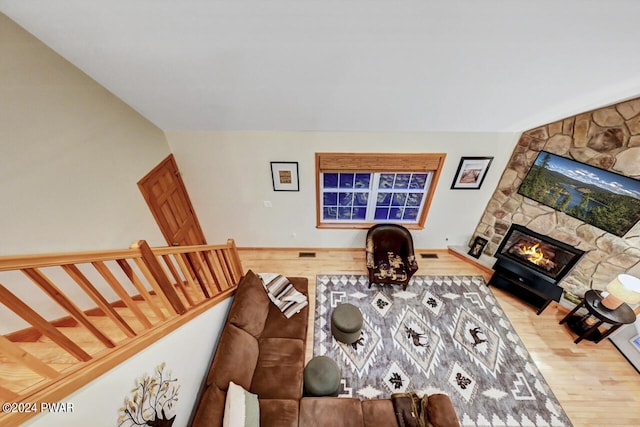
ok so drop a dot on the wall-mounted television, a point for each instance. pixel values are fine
(596, 196)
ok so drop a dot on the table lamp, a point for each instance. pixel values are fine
(624, 288)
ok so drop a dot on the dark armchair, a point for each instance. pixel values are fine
(390, 257)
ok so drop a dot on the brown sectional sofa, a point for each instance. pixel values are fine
(264, 352)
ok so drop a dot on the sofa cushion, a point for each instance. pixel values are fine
(278, 413)
(278, 373)
(378, 413)
(210, 408)
(235, 359)
(330, 411)
(278, 326)
(283, 294)
(250, 306)
(241, 408)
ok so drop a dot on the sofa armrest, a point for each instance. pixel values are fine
(441, 411)
(210, 408)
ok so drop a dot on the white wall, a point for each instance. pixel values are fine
(187, 352)
(70, 155)
(228, 176)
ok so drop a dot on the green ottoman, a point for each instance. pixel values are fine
(346, 323)
(321, 377)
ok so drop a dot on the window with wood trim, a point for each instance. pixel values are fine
(357, 190)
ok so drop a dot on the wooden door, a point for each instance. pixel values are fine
(169, 202)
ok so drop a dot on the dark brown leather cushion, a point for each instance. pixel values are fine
(278, 413)
(278, 373)
(250, 306)
(235, 359)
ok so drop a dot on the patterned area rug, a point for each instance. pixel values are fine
(443, 334)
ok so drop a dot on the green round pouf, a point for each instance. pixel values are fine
(321, 377)
(346, 323)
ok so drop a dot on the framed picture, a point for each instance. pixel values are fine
(471, 172)
(284, 176)
(635, 342)
(477, 247)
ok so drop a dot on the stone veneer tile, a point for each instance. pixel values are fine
(628, 162)
(630, 108)
(607, 117)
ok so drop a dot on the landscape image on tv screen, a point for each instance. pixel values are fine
(598, 197)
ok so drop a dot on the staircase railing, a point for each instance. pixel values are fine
(71, 317)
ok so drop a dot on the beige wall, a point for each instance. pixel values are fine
(70, 155)
(228, 176)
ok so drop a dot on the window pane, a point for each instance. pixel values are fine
(384, 199)
(410, 214)
(330, 213)
(402, 180)
(398, 199)
(330, 199)
(362, 180)
(414, 199)
(395, 213)
(346, 180)
(359, 213)
(418, 180)
(382, 213)
(360, 199)
(330, 180)
(344, 213)
(346, 199)
(386, 180)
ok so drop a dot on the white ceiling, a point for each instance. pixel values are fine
(348, 65)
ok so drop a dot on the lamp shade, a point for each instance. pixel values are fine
(624, 288)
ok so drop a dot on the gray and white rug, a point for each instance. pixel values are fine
(444, 334)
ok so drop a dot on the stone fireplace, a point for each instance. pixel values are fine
(530, 265)
(608, 138)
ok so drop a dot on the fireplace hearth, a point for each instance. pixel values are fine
(530, 265)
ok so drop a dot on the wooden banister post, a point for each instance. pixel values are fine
(159, 275)
(236, 259)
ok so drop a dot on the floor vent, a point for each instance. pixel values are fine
(306, 254)
(428, 255)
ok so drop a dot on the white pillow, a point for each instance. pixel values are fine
(241, 409)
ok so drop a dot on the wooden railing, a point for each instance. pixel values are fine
(113, 304)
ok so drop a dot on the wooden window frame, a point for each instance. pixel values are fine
(378, 162)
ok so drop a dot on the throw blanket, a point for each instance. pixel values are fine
(282, 293)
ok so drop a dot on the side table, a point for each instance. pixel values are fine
(615, 318)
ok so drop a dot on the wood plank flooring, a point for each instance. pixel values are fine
(595, 384)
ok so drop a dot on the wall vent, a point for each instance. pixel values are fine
(306, 254)
(429, 256)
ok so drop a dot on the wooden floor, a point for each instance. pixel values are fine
(595, 384)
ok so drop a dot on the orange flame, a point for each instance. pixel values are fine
(534, 254)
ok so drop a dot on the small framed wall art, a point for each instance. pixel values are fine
(477, 247)
(284, 176)
(471, 172)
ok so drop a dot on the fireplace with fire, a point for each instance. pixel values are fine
(530, 265)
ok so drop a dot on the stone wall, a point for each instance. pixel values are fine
(608, 138)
